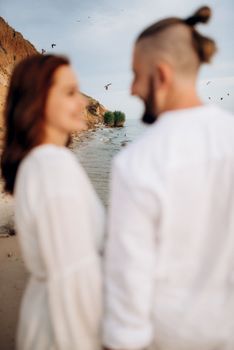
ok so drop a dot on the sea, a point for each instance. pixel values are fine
(95, 150)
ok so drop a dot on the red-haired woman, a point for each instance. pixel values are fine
(59, 218)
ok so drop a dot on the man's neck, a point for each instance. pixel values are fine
(182, 98)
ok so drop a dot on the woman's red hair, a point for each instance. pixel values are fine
(24, 113)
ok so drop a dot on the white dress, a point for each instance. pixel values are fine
(60, 224)
(169, 270)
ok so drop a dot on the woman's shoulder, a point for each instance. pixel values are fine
(49, 158)
(48, 153)
(52, 167)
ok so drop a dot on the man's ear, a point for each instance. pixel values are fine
(163, 79)
(163, 75)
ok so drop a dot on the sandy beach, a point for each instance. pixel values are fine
(12, 274)
(13, 279)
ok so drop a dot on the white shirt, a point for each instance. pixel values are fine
(169, 270)
(60, 222)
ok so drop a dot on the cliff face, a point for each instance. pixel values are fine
(13, 48)
(94, 112)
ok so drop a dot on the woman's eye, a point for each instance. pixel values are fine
(71, 92)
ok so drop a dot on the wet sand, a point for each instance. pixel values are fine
(13, 278)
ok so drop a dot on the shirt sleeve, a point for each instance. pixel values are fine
(73, 272)
(130, 258)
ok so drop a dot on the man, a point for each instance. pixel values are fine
(169, 261)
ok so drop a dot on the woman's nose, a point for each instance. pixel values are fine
(83, 101)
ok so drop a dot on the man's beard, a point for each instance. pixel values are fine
(150, 115)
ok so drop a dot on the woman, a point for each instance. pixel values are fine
(59, 218)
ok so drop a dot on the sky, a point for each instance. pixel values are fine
(98, 36)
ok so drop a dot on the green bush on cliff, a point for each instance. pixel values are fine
(119, 118)
(116, 118)
(109, 118)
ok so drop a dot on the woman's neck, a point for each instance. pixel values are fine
(55, 137)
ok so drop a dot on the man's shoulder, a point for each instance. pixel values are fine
(141, 150)
(177, 135)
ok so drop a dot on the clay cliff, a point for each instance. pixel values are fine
(13, 48)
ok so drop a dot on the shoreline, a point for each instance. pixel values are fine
(6, 213)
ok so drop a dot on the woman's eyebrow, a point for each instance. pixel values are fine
(70, 86)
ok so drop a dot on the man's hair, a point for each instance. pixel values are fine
(175, 35)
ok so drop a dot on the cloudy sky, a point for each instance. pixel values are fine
(98, 36)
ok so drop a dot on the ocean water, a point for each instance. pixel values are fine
(96, 150)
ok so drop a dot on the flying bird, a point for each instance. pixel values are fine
(107, 86)
(221, 98)
(209, 98)
(228, 94)
(43, 51)
(53, 45)
(208, 82)
(78, 20)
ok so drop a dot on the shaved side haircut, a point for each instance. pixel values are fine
(178, 42)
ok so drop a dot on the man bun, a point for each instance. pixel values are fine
(202, 15)
(204, 46)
